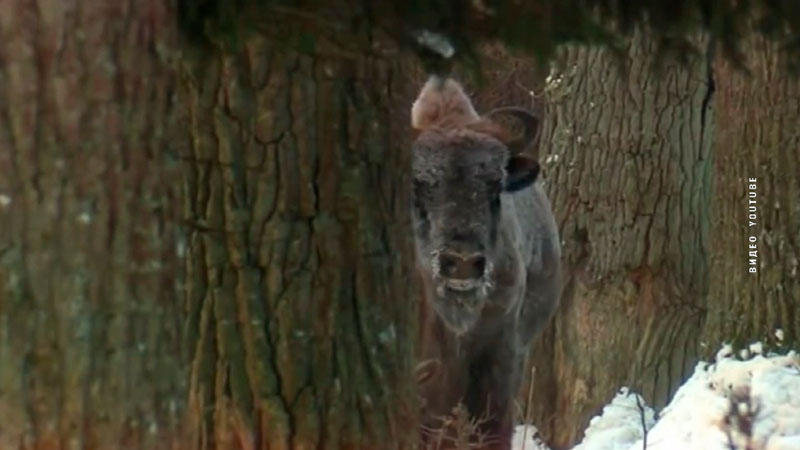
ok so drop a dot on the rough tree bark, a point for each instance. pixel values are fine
(627, 165)
(751, 135)
(88, 229)
(299, 306)
(756, 137)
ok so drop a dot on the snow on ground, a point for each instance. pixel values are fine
(751, 404)
(526, 438)
(621, 423)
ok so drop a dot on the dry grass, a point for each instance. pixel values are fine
(459, 432)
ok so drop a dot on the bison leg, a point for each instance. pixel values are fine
(494, 381)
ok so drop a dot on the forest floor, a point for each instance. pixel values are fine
(746, 401)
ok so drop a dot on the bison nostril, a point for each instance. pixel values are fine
(448, 264)
(478, 265)
(453, 265)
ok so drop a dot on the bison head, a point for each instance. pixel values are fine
(461, 165)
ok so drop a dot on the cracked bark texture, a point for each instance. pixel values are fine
(299, 306)
(88, 235)
(756, 137)
(627, 164)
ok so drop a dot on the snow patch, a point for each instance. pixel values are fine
(436, 42)
(620, 424)
(749, 404)
(753, 404)
(526, 437)
(757, 348)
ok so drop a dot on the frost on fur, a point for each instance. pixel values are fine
(440, 102)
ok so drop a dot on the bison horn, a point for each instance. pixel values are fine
(529, 121)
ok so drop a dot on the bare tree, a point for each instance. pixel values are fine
(299, 303)
(627, 159)
(89, 240)
(185, 223)
(756, 217)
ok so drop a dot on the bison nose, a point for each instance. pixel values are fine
(454, 265)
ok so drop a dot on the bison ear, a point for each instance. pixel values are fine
(521, 172)
(442, 100)
(530, 123)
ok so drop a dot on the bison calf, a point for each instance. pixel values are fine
(487, 249)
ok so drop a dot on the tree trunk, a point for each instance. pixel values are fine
(757, 150)
(627, 166)
(88, 230)
(299, 305)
